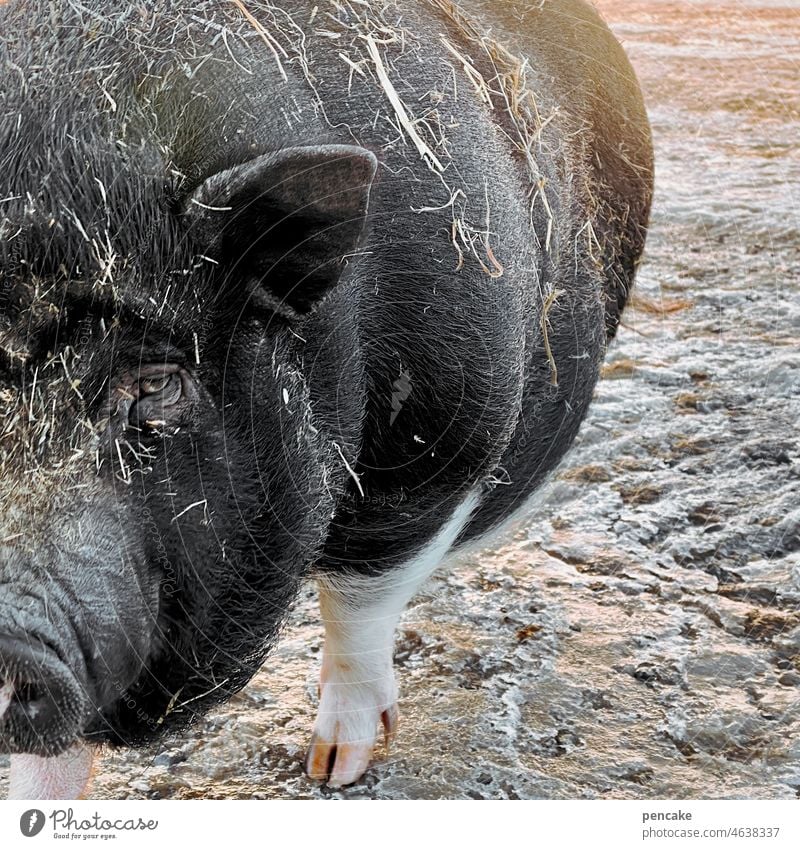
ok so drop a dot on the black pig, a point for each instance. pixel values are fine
(287, 290)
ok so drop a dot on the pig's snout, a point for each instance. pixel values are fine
(43, 705)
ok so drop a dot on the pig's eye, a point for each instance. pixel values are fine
(168, 386)
(160, 397)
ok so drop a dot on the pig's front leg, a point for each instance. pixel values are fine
(66, 776)
(358, 690)
(357, 683)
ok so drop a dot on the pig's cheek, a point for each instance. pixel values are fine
(66, 776)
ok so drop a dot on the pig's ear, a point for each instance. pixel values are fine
(286, 221)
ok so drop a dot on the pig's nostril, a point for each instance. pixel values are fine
(42, 706)
(29, 697)
(25, 695)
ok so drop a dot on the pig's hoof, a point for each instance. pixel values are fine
(344, 738)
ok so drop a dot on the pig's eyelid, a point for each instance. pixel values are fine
(156, 384)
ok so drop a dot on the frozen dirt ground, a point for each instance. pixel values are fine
(639, 635)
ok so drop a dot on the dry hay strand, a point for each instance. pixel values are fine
(400, 111)
(269, 40)
(644, 303)
(473, 74)
(508, 89)
(548, 303)
(618, 369)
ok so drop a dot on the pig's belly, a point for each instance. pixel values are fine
(545, 431)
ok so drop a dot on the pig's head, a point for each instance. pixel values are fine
(168, 443)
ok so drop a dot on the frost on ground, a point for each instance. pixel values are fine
(638, 636)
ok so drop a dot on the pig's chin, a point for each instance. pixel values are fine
(43, 704)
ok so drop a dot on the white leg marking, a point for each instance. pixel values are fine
(63, 777)
(357, 684)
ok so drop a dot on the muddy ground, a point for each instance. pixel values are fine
(639, 634)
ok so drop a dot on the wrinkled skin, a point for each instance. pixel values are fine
(209, 289)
